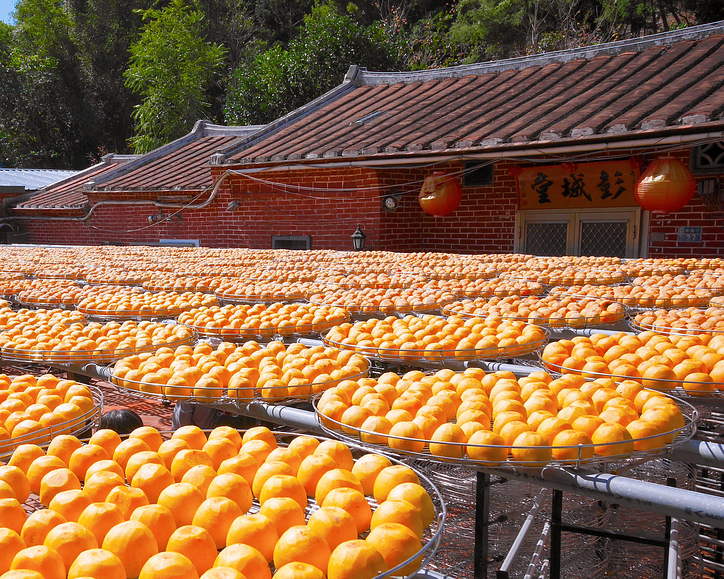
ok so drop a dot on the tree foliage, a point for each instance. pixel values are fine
(82, 77)
(316, 60)
(171, 67)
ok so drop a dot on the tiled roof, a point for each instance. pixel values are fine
(32, 179)
(658, 85)
(182, 165)
(67, 196)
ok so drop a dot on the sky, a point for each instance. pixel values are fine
(6, 7)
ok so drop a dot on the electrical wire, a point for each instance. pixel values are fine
(552, 158)
(285, 187)
(155, 223)
(308, 192)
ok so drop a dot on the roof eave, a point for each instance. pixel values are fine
(40, 212)
(686, 135)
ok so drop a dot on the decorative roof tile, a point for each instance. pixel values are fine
(182, 165)
(666, 83)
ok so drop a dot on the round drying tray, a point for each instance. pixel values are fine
(299, 330)
(76, 426)
(669, 331)
(48, 304)
(622, 293)
(234, 373)
(574, 318)
(260, 298)
(278, 393)
(692, 318)
(457, 452)
(440, 353)
(695, 390)
(42, 317)
(148, 306)
(250, 322)
(440, 356)
(80, 354)
(563, 278)
(432, 535)
(384, 302)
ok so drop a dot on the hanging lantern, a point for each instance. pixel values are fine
(440, 195)
(667, 185)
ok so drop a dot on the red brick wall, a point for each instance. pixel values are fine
(328, 204)
(663, 229)
(483, 223)
(264, 211)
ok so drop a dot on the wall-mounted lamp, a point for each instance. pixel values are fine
(358, 239)
(233, 205)
(391, 201)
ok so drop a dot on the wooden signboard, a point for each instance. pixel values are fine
(602, 184)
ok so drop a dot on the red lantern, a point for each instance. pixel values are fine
(440, 195)
(667, 185)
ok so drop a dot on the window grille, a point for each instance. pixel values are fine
(604, 238)
(708, 158)
(546, 238)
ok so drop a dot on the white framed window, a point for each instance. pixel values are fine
(610, 232)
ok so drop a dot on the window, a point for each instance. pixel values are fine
(478, 174)
(708, 158)
(180, 242)
(170, 242)
(291, 242)
(612, 233)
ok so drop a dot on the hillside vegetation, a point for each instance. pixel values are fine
(80, 78)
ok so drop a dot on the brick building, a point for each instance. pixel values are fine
(547, 149)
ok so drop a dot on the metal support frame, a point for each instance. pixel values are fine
(646, 496)
(502, 572)
(482, 522)
(558, 527)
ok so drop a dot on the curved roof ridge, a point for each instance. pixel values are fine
(227, 131)
(366, 77)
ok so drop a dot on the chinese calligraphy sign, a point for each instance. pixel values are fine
(583, 185)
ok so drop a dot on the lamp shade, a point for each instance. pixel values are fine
(667, 185)
(358, 239)
(440, 195)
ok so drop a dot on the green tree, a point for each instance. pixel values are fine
(44, 112)
(171, 68)
(491, 29)
(637, 17)
(316, 60)
(104, 31)
(279, 20)
(429, 44)
(229, 23)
